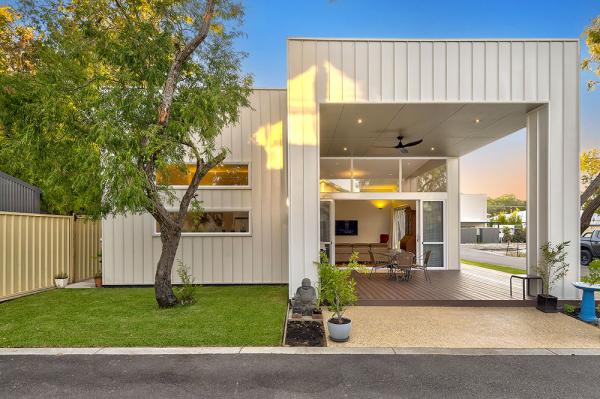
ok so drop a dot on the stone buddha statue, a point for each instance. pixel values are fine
(305, 299)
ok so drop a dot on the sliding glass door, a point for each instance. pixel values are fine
(432, 232)
(327, 228)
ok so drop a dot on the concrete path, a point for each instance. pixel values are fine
(286, 376)
(477, 255)
(465, 327)
(83, 284)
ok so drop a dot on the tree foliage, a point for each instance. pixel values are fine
(592, 40)
(505, 203)
(121, 91)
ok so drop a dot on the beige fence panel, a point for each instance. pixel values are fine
(86, 244)
(33, 248)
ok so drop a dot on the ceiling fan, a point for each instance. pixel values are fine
(402, 146)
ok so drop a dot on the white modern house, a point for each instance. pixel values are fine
(315, 166)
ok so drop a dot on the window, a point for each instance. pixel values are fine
(424, 175)
(375, 175)
(224, 175)
(336, 176)
(216, 222)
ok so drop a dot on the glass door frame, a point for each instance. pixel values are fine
(420, 240)
(331, 228)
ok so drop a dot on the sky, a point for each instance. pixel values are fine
(496, 169)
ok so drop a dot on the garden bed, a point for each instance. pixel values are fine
(305, 333)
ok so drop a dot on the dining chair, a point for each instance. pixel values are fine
(378, 263)
(404, 262)
(424, 266)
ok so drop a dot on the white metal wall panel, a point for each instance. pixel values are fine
(534, 71)
(131, 250)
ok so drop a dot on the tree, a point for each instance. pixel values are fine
(590, 162)
(137, 89)
(505, 203)
(590, 179)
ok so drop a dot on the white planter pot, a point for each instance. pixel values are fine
(61, 282)
(339, 332)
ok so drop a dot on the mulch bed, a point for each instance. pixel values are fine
(305, 333)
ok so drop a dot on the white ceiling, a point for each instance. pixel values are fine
(450, 129)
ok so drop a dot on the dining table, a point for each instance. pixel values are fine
(400, 264)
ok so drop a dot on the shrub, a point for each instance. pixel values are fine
(98, 274)
(61, 275)
(552, 266)
(336, 286)
(568, 309)
(506, 236)
(594, 276)
(520, 234)
(186, 292)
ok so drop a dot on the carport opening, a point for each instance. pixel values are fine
(368, 152)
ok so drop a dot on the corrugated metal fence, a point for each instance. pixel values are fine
(33, 248)
(18, 196)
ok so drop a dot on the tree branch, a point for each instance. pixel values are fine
(588, 212)
(201, 169)
(180, 58)
(591, 189)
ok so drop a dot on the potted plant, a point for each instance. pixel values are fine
(551, 268)
(338, 289)
(61, 280)
(98, 279)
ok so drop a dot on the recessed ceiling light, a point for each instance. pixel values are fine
(476, 120)
(359, 121)
(432, 148)
(345, 148)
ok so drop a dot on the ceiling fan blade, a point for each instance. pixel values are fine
(413, 143)
(383, 146)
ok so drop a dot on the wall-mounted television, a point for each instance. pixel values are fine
(346, 227)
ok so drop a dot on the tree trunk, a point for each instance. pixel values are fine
(588, 212)
(163, 289)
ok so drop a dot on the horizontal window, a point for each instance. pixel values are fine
(215, 222)
(424, 175)
(221, 175)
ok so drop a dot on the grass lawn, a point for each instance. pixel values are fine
(223, 316)
(505, 269)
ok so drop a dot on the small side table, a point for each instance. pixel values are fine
(526, 278)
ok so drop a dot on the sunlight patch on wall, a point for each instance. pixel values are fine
(271, 140)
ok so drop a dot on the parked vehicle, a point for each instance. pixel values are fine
(590, 246)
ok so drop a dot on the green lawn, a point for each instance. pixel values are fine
(223, 316)
(505, 269)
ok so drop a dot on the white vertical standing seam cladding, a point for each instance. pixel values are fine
(542, 72)
(131, 250)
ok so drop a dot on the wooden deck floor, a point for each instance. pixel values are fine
(471, 286)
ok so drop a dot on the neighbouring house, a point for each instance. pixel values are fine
(18, 196)
(325, 164)
(473, 210)
(474, 221)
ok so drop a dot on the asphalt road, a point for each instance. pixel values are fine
(299, 376)
(468, 253)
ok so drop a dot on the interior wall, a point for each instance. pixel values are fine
(372, 221)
